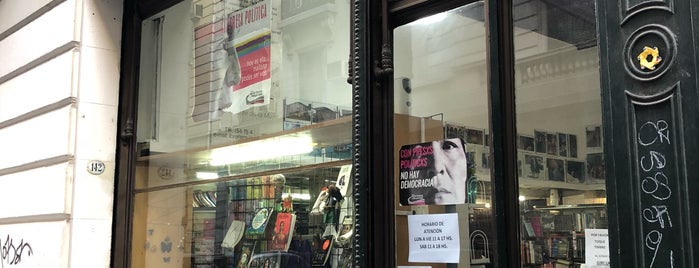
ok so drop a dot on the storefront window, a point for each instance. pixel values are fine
(244, 123)
(442, 141)
(559, 123)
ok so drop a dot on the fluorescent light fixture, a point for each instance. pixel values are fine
(521, 198)
(300, 196)
(263, 149)
(432, 19)
(207, 175)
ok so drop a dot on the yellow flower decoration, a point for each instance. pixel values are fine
(655, 58)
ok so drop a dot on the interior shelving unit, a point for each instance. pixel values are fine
(554, 236)
(238, 189)
(324, 135)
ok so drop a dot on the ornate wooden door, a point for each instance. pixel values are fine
(649, 95)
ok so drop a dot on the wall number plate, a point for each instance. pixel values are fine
(166, 173)
(96, 167)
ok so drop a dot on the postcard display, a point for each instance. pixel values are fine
(268, 222)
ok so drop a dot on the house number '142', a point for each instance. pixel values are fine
(95, 167)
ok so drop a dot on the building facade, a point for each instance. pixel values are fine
(335, 133)
(60, 85)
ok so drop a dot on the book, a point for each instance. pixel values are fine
(346, 258)
(345, 233)
(344, 179)
(319, 204)
(247, 250)
(559, 263)
(536, 225)
(283, 231)
(208, 228)
(234, 234)
(530, 230)
(266, 260)
(204, 249)
(258, 224)
(321, 248)
(204, 199)
(267, 187)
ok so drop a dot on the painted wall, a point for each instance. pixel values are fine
(59, 82)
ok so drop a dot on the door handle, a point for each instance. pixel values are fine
(384, 67)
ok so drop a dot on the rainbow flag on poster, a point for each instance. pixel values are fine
(253, 41)
(254, 87)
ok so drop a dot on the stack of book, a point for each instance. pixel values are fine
(204, 199)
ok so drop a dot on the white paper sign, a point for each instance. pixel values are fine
(434, 238)
(596, 248)
(343, 179)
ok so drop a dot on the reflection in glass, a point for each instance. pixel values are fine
(218, 83)
(244, 151)
(441, 117)
(560, 164)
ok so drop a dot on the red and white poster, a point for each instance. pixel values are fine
(433, 173)
(247, 81)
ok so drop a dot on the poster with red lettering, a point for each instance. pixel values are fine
(247, 81)
(433, 173)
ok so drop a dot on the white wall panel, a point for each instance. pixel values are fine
(90, 243)
(99, 76)
(102, 24)
(35, 192)
(47, 242)
(96, 140)
(43, 85)
(43, 35)
(42, 137)
(14, 11)
(92, 194)
(96, 132)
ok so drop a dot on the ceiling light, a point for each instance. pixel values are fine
(432, 19)
(207, 175)
(260, 150)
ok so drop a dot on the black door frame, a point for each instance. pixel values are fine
(134, 12)
(373, 124)
(634, 98)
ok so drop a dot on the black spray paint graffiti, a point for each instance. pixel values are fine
(11, 253)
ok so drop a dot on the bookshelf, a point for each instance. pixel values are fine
(554, 236)
(203, 236)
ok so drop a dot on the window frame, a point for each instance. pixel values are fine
(377, 97)
(134, 12)
(371, 27)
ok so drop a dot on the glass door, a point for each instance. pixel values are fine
(441, 143)
(560, 159)
(443, 129)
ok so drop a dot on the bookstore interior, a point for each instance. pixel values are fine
(244, 137)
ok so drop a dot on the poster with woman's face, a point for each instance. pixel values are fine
(433, 173)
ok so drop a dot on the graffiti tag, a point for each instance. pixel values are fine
(12, 253)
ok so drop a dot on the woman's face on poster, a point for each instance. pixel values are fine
(449, 171)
